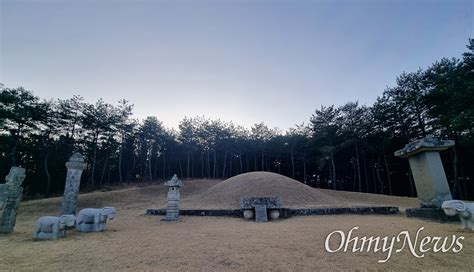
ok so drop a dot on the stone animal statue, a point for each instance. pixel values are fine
(93, 220)
(53, 227)
(464, 210)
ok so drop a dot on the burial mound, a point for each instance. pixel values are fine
(227, 194)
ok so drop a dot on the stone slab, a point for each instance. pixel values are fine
(261, 213)
(269, 202)
(423, 145)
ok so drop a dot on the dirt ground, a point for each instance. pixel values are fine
(134, 241)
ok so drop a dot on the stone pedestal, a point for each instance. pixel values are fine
(75, 166)
(174, 196)
(11, 194)
(430, 180)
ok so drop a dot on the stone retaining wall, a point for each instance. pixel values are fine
(284, 212)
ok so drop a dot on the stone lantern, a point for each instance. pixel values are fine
(430, 179)
(172, 211)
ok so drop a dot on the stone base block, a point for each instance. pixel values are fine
(252, 202)
(434, 214)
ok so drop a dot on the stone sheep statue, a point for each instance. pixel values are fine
(53, 227)
(464, 210)
(93, 220)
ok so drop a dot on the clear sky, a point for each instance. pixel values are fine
(245, 61)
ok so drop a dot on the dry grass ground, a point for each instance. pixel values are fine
(134, 241)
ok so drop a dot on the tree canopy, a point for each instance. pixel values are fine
(346, 147)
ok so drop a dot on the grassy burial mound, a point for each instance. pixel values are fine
(227, 194)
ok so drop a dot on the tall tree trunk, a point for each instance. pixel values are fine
(150, 175)
(464, 185)
(279, 163)
(263, 161)
(13, 153)
(120, 160)
(208, 164)
(164, 165)
(103, 170)
(247, 164)
(410, 180)
(358, 168)
(330, 175)
(304, 168)
(94, 160)
(292, 163)
(457, 192)
(214, 170)
(230, 165)
(379, 179)
(180, 168)
(192, 165)
(108, 177)
(46, 171)
(225, 164)
(120, 166)
(365, 172)
(374, 178)
(388, 171)
(130, 172)
(202, 165)
(241, 164)
(378, 174)
(354, 175)
(255, 162)
(16, 137)
(333, 171)
(155, 168)
(187, 166)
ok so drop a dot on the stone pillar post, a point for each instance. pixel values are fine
(430, 180)
(172, 211)
(75, 166)
(10, 197)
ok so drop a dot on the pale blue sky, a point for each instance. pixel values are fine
(245, 61)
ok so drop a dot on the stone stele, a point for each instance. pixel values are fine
(427, 169)
(75, 166)
(10, 196)
(174, 196)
